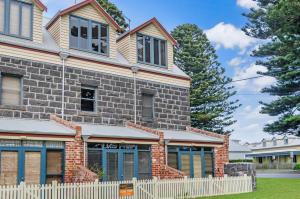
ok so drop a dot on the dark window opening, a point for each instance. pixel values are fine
(260, 160)
(151, 50)
(173, 159)
(144, 164)
(88, 36)
(88, 99)
(54, 166)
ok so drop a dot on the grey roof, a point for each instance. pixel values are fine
(235, 146)
(10, 125)
(176, 135)
(276, 142)
(115, 132)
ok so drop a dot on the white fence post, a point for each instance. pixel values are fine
(135, 188)
(54, 189)
(155, 183)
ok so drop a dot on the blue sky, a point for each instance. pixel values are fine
(221, 20)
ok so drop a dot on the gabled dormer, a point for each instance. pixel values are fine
(148, 44)
(22, 19)
(85, 27)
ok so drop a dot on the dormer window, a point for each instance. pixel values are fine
(151, 50)
(16, 18)
(274, 142)
(88, 35)
(264, 143)
(286, 141)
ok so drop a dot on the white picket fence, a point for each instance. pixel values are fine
(143, 189)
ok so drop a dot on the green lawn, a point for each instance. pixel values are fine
(269, 189)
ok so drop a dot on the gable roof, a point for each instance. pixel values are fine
(80, 5)
(40, 5)
(153, 21)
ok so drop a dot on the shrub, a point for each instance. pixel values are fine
(297, 167)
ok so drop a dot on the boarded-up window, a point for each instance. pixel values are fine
(173, 159)
(197, 166)
(144, 165)
(9, 167)
(147, 109)
(208, 164)
(185, 164)
(10, 90)
(32, 167)
(54, 166)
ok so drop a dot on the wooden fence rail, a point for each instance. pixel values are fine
(138, 189)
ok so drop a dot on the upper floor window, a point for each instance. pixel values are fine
(16, 18)
(151, 50)
(10, 90)
(264, 143)
(88, 99)
(286, 140)
(88, 35)
(147, 106)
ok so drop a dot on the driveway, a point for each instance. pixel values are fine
(277, 174)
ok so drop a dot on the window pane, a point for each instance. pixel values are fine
(95, 37)
(144, 164)
(147, 49)
(74, 24)
(54, 162)
(11, 91)
(87, 93)
(163, 53)
(185, 164)
(208, 164)
(26, 20)
(87, 105)
(172, 160)
(95, 159)
(104, 41)
(147, 109)
(14, 18)
(83, 44)
(1, 15)
(156, 51)
(140, 48)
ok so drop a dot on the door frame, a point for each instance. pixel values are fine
(120, 153)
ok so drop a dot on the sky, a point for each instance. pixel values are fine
(222, 21)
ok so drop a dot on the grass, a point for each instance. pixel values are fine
(268, 188)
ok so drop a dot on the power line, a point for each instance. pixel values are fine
(238, 80)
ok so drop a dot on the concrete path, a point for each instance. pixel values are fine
(277, 174)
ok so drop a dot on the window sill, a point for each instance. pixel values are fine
(144, 119)
(13, 107)
(86, 113)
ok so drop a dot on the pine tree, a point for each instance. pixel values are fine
(115, 13)
(278, 21)
(211, 108)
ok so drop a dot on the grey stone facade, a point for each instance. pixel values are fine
(115, 96)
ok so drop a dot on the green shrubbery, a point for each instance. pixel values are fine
(241, 160)
(297, 167)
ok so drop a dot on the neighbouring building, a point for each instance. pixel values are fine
(238, 151)
(79, 101)
(276, 153)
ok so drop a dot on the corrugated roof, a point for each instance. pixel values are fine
(115, 132)
(188, 136)
(237, 147)
(10, 125)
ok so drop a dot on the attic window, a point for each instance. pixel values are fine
(286, 141)
(88, 35)
(151, 50)
(16, 18)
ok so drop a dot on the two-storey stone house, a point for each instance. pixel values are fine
(76, 94)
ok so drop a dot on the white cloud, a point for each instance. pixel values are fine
(247, 4)
(236, 62)
(252, 84)
(229, 36)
